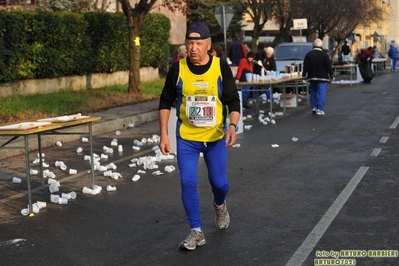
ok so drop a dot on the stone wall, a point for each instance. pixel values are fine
(93, 81)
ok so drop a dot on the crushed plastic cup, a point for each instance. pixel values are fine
(86, 190)
(41, 204)
(96, 190)
(58, 163)
(169, 168)
(111, 188)
(35, 208)
(16, 180)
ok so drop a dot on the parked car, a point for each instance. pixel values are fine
(289, 53)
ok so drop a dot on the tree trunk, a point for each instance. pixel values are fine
(134, 55)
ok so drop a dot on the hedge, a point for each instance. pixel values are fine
(37, 44)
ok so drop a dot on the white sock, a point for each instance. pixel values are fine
(198, 229)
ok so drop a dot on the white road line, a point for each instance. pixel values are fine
(313, 238)
(375, 152)
(384, 139)
(10, 242)
(395, 124)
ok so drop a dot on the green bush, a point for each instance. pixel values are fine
(38, 44)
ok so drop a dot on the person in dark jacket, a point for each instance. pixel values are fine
(317, 70)
(236, 51)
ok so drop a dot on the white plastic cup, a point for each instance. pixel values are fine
(107, 173)
(16, 180)
(50, 175)
(33, 172)
(65, 196)
(35, 208)
(104, 156)
(25, 212)
(248, 76)
(117, 132)
(120, 148)
(72, 171)
(87, 190)
(111, 188)
(87, 158)
(85, 139)
(115, 176)
(41, 204)
(111, 166)
(58, 163)
(63, 201)
(54, 198)
(96, 190)
(63, 167)
(79, 150)
(58, 143)
(53, 181)
(53, 188)
(72, 194)
(135, 178)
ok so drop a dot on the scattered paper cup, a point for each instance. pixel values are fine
(53, 188)
(25, 212)
(135, 178)
(16, 180)
(41, 204)
(33, 172)
(87, 190)
(104, 156)
(111, 188)
(58, 143)
(96, 190)
(63, 201)
(79, 150)
(72, 171)
(54, 198)
(58, 163)
(35, 208)
(73, 194)
(120, 148)
(63, 167)
(85, 139)
(107, 173)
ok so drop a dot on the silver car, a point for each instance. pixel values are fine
(291, 53)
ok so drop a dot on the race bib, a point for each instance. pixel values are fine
(201, 110)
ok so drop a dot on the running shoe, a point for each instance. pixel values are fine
(320, 112)
(194, 239)
(314, 110)
(222, 219)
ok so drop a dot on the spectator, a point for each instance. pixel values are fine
(318, 71)
(245, 67)
(202, 87)
(393, 54)
(181, 52)
(217, 50)
(236, 51)
(345, 52)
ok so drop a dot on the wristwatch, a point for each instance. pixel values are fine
(234, 125)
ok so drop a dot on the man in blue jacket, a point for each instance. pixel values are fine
(393, 54)
(317, 70)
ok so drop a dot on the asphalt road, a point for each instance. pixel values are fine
(334, 189)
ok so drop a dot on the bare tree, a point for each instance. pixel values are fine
(260, 12)
(136, 15)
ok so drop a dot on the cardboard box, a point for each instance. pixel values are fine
(290, 100)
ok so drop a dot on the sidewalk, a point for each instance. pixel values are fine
(111, 119)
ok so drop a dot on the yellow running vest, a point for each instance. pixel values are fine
(201, 111)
